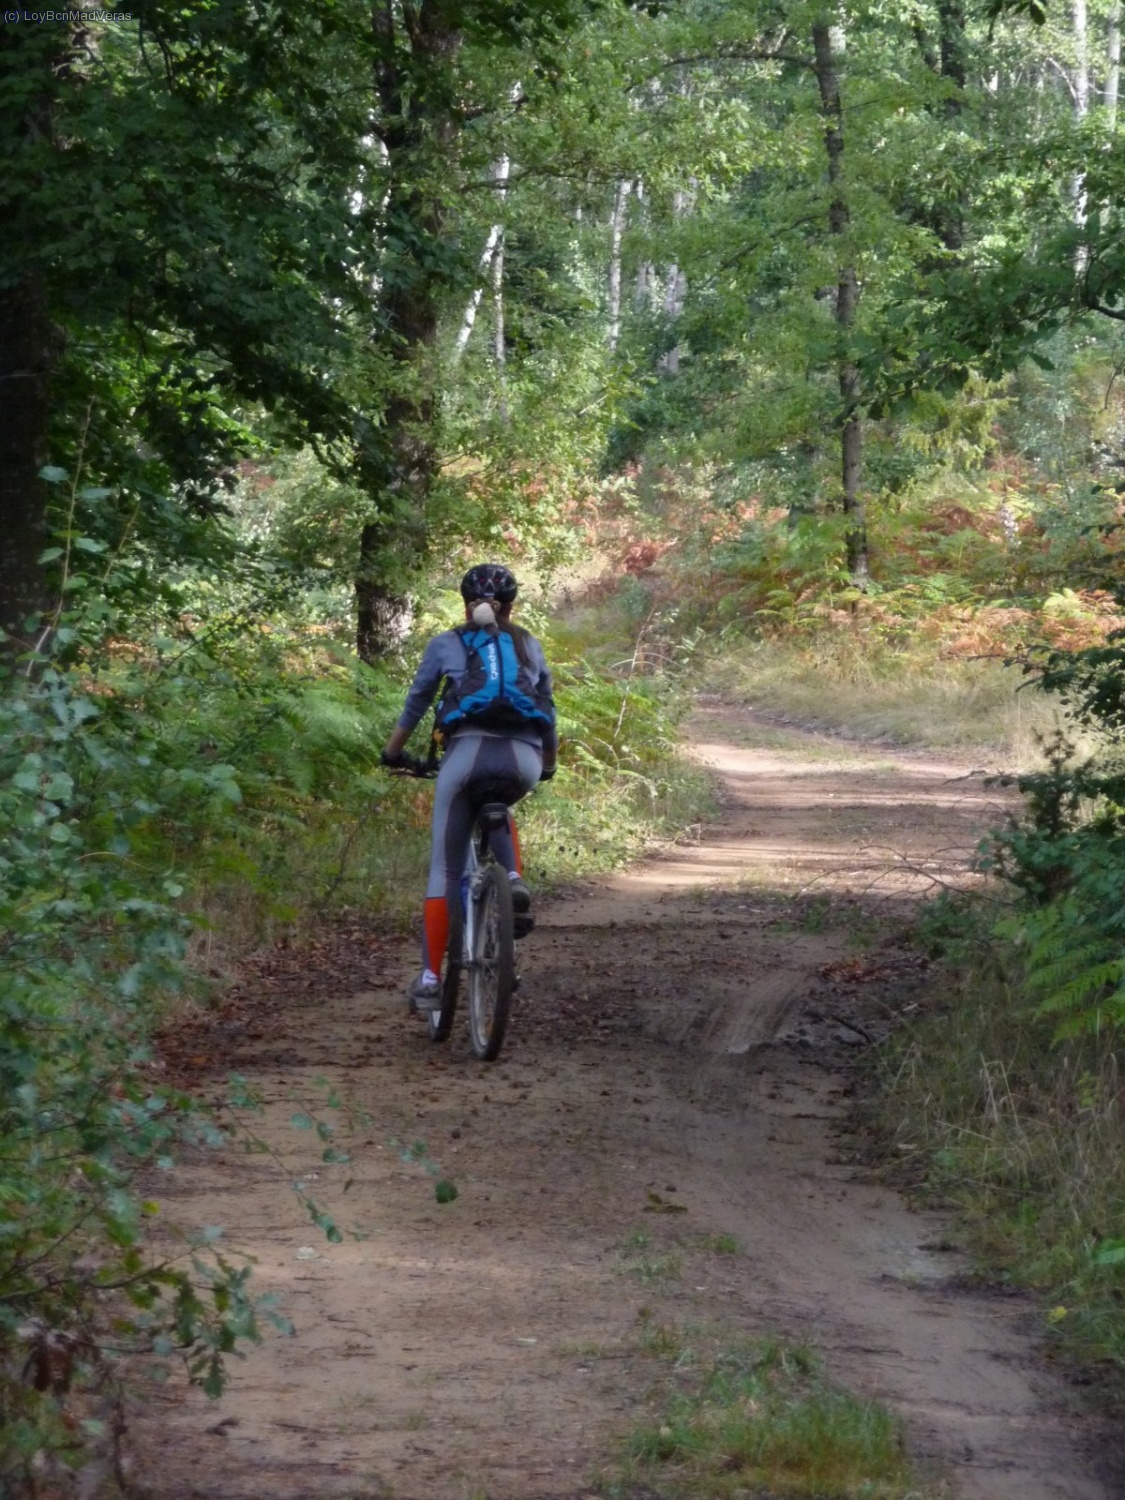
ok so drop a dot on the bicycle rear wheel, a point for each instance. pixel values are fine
(440, 1019)
(493, 970)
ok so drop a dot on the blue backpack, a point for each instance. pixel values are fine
(499, 688)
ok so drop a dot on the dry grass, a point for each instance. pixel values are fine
(853, 686)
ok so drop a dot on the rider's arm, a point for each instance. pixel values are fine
(551, 736)
(438, 659)
(396, 744)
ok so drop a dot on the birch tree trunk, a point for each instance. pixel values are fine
(500, 173)
(675, 285)
(493, 246)
(472, 307)
(616, 230)
(828, 45)
(498, 351)
(1081, 110)
(642, 287)
(1113, 63)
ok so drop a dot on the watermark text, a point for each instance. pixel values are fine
(42, 17)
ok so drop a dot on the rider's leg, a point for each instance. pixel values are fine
(449, 844)
(517, 852)
(522, 764)
(469, 757)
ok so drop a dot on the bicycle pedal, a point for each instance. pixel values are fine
(523, 922)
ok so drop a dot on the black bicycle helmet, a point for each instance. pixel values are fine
(489, 581)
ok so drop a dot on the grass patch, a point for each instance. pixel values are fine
(760, 1418)
(1024, 1138)
(904, 697)
(719, 1244)
(645, 1262)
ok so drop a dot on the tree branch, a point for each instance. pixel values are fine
(1107, 312)
(725, 54)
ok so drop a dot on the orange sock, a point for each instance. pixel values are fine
(435, 932)
(516, 850)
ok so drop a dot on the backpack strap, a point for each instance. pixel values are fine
(520, 638)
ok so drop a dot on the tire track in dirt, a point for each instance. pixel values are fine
(678, 1040)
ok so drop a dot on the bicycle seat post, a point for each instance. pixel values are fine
(492, 815)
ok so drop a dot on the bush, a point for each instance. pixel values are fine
(1012, 1096)
(92, 944)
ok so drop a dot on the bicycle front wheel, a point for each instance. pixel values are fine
(492, 973)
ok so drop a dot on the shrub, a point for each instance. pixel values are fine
(92, 943)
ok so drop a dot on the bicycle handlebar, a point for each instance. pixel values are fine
(413, 765)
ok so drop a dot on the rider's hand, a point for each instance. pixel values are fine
(548, 771)
(396, 761)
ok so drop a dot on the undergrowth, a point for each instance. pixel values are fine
(970, 572)
(92, 948)
(1010, 1098)
(321, 827)
(1022, 1135)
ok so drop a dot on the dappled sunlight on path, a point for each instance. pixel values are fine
(673, 1079)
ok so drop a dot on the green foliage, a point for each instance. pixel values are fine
(93, 943)
(1020, 1132)
(1066, 856)
(182, 212)
(1011, 1097)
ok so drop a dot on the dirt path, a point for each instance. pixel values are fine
(678, 1045)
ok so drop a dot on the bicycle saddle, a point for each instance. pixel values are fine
(491, 799)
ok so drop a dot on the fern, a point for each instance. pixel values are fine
(1077, 975)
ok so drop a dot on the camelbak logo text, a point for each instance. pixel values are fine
(496, 690)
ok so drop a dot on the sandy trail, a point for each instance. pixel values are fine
(679, 1039)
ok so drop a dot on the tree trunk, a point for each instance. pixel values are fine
(951, 20)
(27, 347)
(675, 285)
(30, 345)
(384, 613)
(499, 347)
(1081, 110)
(616, 230)
(828, 44)
(494, 244)
(414, 48)
(499, 350)
(472, 307)
(1113, 63)
(642, 287)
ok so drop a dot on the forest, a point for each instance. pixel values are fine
(776, 345)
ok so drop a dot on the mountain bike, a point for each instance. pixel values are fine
(483, 927)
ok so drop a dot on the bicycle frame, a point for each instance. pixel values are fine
(476, 858)
(470, 880)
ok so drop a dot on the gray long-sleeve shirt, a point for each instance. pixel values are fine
(446, 656)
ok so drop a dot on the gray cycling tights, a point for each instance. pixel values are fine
(474, 757)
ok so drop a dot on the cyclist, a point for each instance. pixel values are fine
(509, 740)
